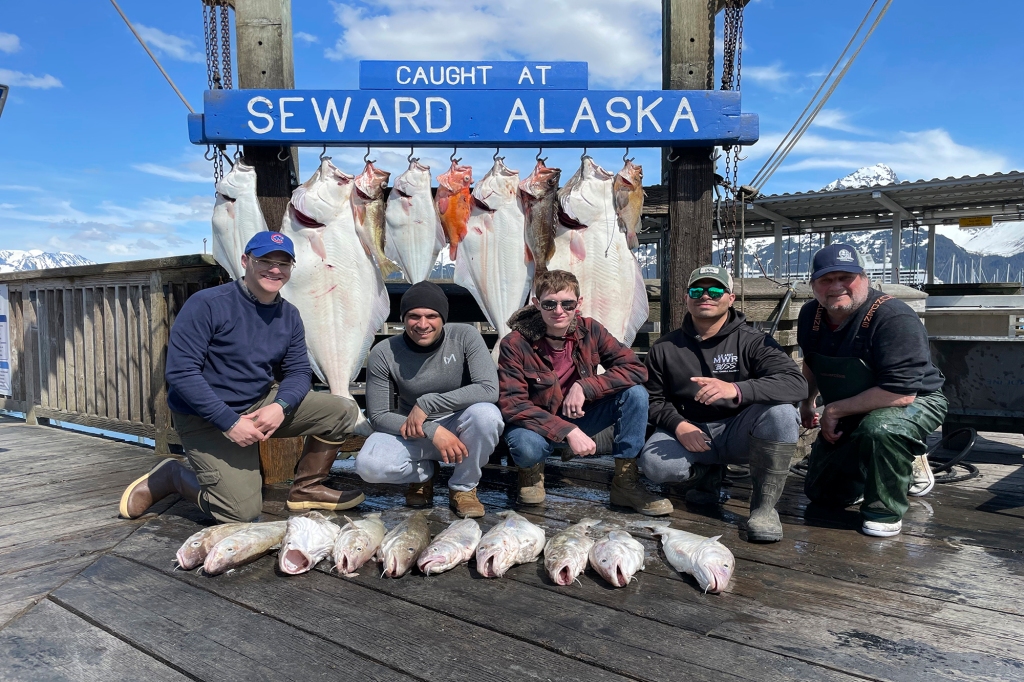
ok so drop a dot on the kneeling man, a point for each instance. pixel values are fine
(551, 392)
(226, 347)
(430, 395)
(722, 393)
(867, 354)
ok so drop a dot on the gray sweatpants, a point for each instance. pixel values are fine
(663, 459)
(385, 458)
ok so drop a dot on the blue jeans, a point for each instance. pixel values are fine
(627, 410)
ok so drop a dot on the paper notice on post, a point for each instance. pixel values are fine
(5, 343)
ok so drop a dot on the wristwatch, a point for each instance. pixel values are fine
(285, 407)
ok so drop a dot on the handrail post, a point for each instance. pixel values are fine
(29, 361)
(158, 357)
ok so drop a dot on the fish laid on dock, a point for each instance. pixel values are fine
(335, 284)
(566, 554)
(513, 541)
(307, 541)
(706, 559)
(401, 547)
(193, 551)
(368, 209)
(244, 546)
(539, 193)
(236, 218)
(452, 546)
(492, 261)
(454, 202)
(617, 557)
(357, 543)
(414, 232)
(589, 244)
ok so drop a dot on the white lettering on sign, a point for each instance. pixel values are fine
(543, 128)
(518, 114)
(285, 115)
(398, 75)
(584, 113)
(331, 110)
(483, 74)
(447, 115)
(407, 115)
(543, 74)
(684, 106)
(373, 113)
(420, 75)
(452, 75)
(642, 113)
(525, 75)
(261, 114)
(617, 114)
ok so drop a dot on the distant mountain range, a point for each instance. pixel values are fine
(13, 261)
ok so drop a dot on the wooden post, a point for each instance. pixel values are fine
(685, 44)
(30, 346)
(263, 31)
(897, 243)
(159, 331)
(930, 261)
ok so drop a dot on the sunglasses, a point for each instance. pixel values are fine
(714, 293)
(265, 264)
(567, 306)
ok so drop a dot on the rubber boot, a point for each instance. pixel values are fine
(465, 504)
(769, 467)
(421, 494)
(307, 491)
(628, 491)
(167, 477)
(531, 484)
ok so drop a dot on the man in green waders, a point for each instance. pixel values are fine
(867, 354)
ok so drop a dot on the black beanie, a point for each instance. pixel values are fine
(425, 295)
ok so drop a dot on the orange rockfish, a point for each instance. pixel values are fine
(454, 203)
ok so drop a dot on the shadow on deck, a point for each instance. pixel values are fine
(88, 595)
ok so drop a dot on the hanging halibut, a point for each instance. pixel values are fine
(589, 244)
(368, 208)
(628, 190)
(335, 284)
(492, 261)
(539, 193)
(454, 204)
(414, 233)
(236, 218)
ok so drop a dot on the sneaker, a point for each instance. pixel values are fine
(881, 529)
(924, 479)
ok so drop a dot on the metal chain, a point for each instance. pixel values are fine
(732, 32)
(225, 47)
(712, 6)
(217, 36)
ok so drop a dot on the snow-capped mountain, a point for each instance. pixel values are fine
(13, 261)
(870, 176)
(1002, 239)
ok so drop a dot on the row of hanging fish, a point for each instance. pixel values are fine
(500, 233)
(304, 541)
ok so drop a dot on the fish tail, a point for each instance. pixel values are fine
(386, 266)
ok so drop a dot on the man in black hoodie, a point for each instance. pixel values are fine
(722, 393)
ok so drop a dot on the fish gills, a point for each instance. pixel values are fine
(566, 555)
(513, 541)
(193, 551)
(539, 194)
(617, 557)
(403, 545)
(628, 189)
(236, 218)
(368, 209)
(244, 546)
(454, 203)
(453, 546)
(307, 541)
(414, 233)
(357, 543)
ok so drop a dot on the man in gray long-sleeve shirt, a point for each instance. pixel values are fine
(430, 395)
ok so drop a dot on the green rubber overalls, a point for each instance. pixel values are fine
(874, 456)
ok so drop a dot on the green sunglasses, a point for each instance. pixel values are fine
(714, 293)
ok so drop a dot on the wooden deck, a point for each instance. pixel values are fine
(86, 595)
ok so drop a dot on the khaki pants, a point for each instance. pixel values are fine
(232, 487)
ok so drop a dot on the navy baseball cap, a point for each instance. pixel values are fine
(837, 258)
(263, 243)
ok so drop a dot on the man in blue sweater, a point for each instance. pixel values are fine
(237, 374)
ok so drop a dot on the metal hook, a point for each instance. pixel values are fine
(210, 154)
(497, 150)
(412, 150)
(323, 155)
(624, 159)
(672, 157)
(584, 154)
(284, 158)
(452, 157)
(366, 156)
(238, 153)
(540, 150)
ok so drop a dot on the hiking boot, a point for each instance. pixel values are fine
(704, 487)
(313, 467)
(628, 491)
(167, 477)
(769, 467)
(421, 494)
(924, 479)
(531, 484)
(882, 529)
(465, 504)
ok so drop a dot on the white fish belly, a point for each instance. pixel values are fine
(414, 235)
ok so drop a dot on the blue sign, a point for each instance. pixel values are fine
(464, 118)
(395, 75)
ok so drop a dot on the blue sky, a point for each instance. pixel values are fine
(95, 158)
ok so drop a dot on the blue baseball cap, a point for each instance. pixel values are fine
(837, 258)
(263, 243)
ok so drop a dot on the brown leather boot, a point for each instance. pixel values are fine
(421, 494)
(531, 484)
(167, 477)
(465, 504)
(307, 491)
(628, 491)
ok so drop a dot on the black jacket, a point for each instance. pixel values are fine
(737, 354)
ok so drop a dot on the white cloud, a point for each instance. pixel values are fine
(27, 80)
(9, 43)
(307, 38)
(772, 77)
(835, 119)
(170, 45)
(621, 39)
(21, 188)
(172, 173)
